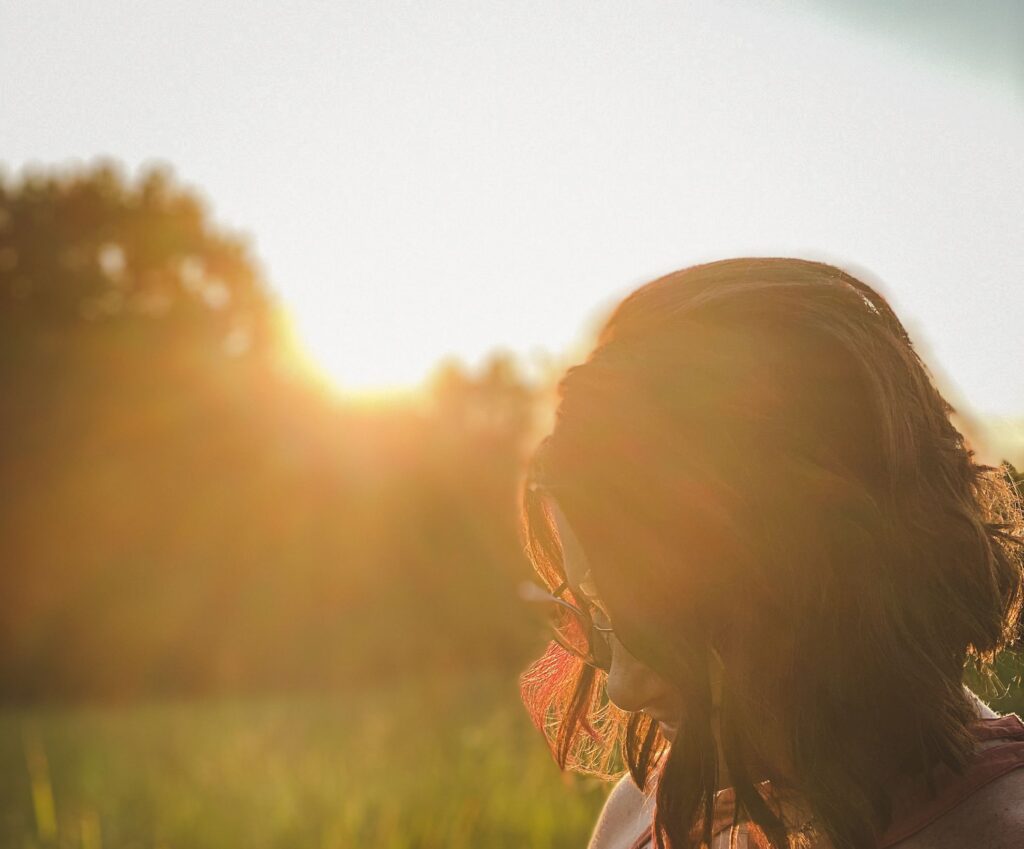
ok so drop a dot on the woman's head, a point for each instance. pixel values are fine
(757, 468)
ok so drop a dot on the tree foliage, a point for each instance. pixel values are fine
(183, 512)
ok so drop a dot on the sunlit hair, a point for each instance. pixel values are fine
(755, 459)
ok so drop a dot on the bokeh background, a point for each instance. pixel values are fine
(284, 293)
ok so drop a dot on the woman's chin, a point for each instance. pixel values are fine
(668, 730)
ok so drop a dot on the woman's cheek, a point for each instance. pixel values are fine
(631, 685)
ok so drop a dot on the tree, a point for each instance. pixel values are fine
(92, 246)
(136, 337)
(184, 515)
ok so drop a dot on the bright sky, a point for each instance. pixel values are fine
(427, 179)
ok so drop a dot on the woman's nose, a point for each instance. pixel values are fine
(632, 686)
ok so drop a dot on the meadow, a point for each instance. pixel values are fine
(434, 762)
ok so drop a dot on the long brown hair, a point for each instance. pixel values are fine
(756, 461)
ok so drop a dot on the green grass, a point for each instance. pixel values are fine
(436, 763)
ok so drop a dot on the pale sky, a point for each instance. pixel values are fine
(430, 179)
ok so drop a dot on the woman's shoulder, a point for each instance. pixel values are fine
(985, 805)
(627, 814)
(992, 817)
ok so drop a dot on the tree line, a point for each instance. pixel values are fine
(185, 511)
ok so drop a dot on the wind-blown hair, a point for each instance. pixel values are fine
(755, 459)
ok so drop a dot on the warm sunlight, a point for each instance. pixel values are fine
(349, 356)
(316, 316)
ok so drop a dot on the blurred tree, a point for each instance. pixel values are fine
(135, 337)
(104, 281)
(184, 511)
(92, 245)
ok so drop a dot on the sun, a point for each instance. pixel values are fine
(358, 364)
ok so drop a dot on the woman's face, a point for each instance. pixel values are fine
(631, 685)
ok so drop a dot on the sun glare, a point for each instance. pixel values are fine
(359, 367)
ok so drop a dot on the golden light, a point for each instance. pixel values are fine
(360, 363)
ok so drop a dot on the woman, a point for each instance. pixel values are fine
(772, 554)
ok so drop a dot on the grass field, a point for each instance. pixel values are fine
(439, 763)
